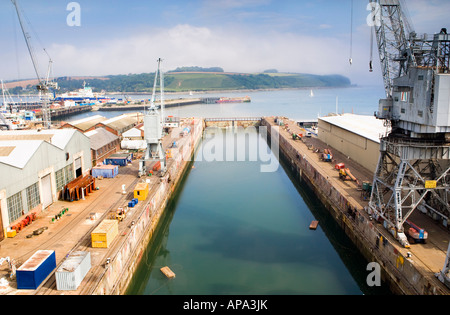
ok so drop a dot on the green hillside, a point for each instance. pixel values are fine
(199, 81)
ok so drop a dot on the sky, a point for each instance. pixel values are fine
(108, 37)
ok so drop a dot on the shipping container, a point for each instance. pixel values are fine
(121, 161)
(36, 269)
(104, 233)
(105, 171)
(72, 271)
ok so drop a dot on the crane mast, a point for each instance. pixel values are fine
(43, 86)
(154, 129)
(413, 171)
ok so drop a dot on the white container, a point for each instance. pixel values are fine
(72, 271)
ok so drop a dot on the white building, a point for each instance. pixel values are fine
(35, 166)
(357, 136)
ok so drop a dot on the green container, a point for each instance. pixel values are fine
(366, 186)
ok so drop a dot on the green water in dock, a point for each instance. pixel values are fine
(234, 230)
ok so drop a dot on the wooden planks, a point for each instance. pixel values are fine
(313, 225)
(167, 272)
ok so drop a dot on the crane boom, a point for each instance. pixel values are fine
(27, 37)
(391, 35)
(43, 85)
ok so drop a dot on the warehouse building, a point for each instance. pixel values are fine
(356, 136)
(103, 144)
(85, 124)
(35, 166)
(120, 124)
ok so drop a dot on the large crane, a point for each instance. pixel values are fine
(413, 171)
(44, 86)
(154, 128)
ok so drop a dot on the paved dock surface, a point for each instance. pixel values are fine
(72, 231)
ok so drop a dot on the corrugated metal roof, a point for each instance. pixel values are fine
(366, 126)
(86, 123)
(22, 153)
(57, 137)
(27, 142)
(121, 122)
(100, 137)
(133, 132)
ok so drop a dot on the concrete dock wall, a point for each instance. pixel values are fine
(122, 266)
(399, 272)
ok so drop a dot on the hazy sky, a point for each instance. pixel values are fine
(121, 37)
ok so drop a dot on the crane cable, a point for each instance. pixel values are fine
(371, 50)
(351, 34)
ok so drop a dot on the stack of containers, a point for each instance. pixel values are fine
(133, 202)
(104, 233)
(70, 274)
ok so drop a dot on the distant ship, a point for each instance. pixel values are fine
(234, 100)
(84, 95)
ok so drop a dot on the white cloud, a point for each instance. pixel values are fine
(187, 45)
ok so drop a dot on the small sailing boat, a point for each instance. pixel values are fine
(311, 94)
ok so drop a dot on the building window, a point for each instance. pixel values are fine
(33, 198)
(15, 206)
(59, 175)
(69, 173)
(64, 176)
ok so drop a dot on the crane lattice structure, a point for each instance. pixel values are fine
(44, 86)
(153, 128)
(413, 171)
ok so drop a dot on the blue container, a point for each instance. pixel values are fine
(106, 171)
(35, 270)
(122, 161)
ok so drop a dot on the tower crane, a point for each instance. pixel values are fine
(44, 86)
(153, 128)
(413, 171)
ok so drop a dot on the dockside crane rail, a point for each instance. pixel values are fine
(44, 85)
(413, 171)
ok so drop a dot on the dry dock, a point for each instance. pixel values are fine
(111, 267)
(407, 271)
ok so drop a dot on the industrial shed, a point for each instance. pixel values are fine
(35, 166)
(103, 144)
(85, 124)
(356, 136)
(120, 124)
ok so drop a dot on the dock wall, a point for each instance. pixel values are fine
(397, 271)
(232, 122)
(121, 268)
